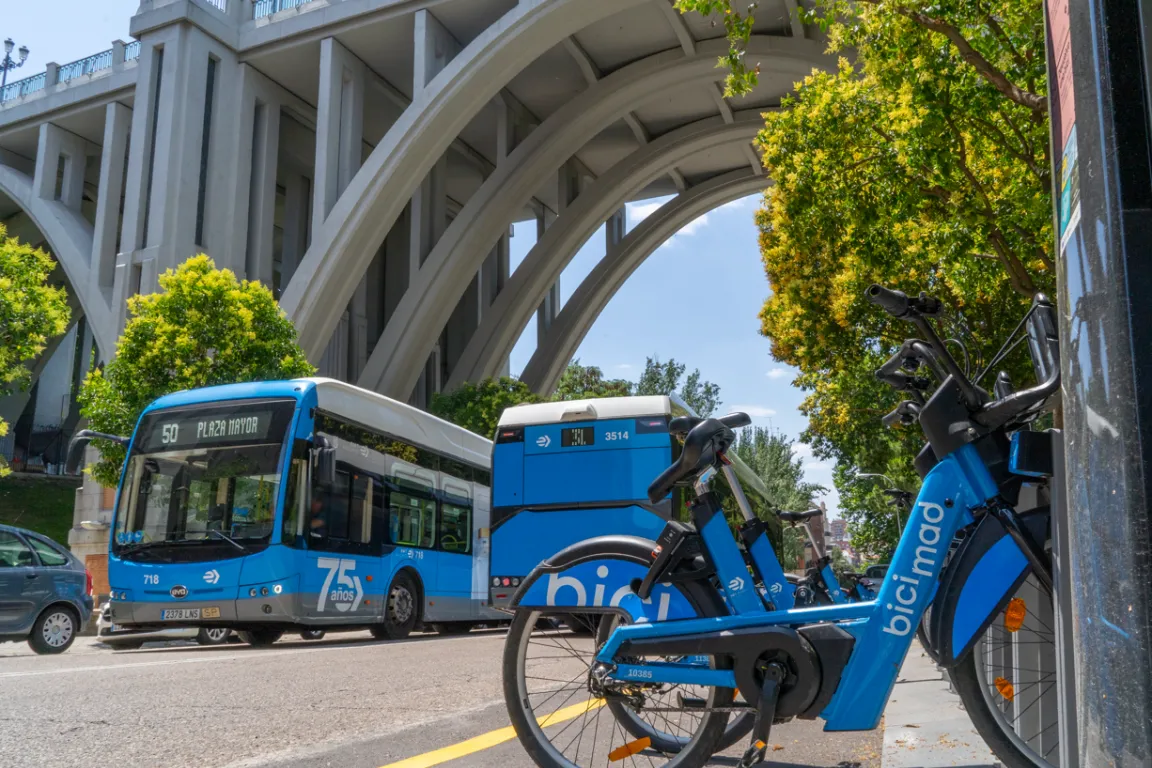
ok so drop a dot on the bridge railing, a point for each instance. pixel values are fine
(24, 87)
(89, 65)
(263, 8)
(86, 66)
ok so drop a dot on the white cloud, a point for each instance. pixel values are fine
(624, 366)
(755, 411)
(777, 373)
(691, 227)
(817, 465)
(801, 449)
(640, 211)
(743, 202)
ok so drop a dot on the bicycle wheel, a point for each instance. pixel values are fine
(1008, 682)
(670, 735)
(560, 716)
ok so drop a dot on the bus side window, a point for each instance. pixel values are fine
(455, 528)
(412, 519)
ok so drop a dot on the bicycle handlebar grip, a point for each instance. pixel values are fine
(891, 418)
(894, 303)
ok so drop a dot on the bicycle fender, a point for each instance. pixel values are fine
(984, 573)
(599, 576)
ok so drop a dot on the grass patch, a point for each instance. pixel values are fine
(40, 504)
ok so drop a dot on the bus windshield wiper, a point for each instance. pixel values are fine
(230, 540)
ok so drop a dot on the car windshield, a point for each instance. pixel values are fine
(206, 477)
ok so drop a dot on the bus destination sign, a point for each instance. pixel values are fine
(577, 437)
(182, 431)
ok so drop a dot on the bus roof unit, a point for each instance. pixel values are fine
(586, 410)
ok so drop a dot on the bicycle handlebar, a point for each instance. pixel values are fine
(893, 302)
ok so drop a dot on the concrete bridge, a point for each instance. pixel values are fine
(367, 159)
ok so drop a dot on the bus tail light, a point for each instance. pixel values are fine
(88, 582)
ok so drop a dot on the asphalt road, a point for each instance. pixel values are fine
(347, 700)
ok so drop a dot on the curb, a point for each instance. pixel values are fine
(925, 725)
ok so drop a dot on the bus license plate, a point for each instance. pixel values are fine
(180, 614)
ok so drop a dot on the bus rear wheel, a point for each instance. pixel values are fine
(401, 609)
(258, 638)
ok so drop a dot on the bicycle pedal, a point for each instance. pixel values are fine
(691, 702)
(754, 755)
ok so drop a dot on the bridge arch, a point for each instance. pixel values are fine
(567, 332)
(433, 293)
(69, 237)
(501, 326)
(344, 246)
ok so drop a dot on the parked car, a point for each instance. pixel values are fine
(877, 572)
(121, 639)
(45, 591)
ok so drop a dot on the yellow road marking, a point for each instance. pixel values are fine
(492, 738)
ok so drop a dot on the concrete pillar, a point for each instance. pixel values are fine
(113, 160)
(295, 224)
(169, 195)
(339, 152)
(118, 47)
(339, 126)
(614, 229)
(434, 47)
(567, 189)
(58, 149)
(262, 200)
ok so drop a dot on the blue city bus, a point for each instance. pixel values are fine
(299, 506)
(568, 471)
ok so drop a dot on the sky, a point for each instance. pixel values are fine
(713, 263)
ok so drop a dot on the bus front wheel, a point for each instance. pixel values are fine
(401, 609)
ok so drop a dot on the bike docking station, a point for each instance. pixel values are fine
(1098, 66)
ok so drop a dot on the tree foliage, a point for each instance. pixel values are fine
(664, 379)
(741, 78)
(203, 328)
(477, 407)
(585, 381)
(924, 165)
(31, 313)
(770, 456)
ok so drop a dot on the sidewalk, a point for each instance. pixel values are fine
(924, 724)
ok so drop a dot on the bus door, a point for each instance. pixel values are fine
(343, 570)
(412, 524)
(454, 544)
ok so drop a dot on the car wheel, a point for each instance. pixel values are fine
(124, 645)
(212, 635)
(54, 630)
(258, 638)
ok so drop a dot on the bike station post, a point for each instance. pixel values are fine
(1099, 68)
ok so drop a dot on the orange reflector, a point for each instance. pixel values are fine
(1006, 688)
(629, 749)
(1014, 614)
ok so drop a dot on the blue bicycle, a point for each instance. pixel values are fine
(693, 628)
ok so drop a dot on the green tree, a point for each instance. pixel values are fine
(923, 166)
(664, 379)
(580, 382)
(840, 564)
(770, 456)
(478, 406)
(203, 328)
(31, 313)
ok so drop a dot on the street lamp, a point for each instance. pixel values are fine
(892, 484)
(8, 63)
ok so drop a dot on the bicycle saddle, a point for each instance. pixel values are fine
(704, 442)
(796, 517)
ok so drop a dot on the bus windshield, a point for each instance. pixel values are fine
(202, 482)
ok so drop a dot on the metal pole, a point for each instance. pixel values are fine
(1099, 106)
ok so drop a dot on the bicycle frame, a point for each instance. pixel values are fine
(882, 629)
